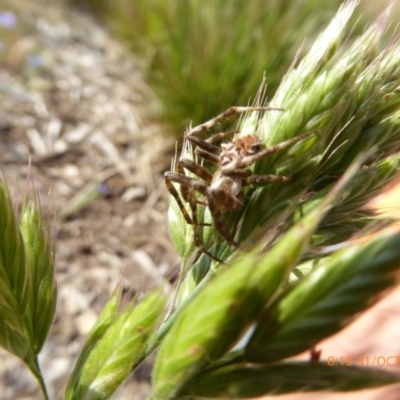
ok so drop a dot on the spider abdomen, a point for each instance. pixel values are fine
(224, 192)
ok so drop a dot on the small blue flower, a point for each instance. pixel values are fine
(102, 189)
(7, 19)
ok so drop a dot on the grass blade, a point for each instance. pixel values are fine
(244, 382)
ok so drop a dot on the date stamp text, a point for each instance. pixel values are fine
(364, 361)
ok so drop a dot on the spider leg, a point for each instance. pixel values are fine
(204, 149)
(207, 155)
(201, 187)
(174, 177)
(220, 135)
(196, 234)
(264, 179)
(239, 173)
(203, 144)
(226, 114)
(188, 184)
(273, 149)
(195, 168)
(219, 222)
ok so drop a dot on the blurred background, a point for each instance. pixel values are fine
(96, 93)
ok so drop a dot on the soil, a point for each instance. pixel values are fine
(73, 101)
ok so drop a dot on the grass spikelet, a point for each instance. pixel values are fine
(116, 343)
(243, 382)
(230, 303)
(14, 276)
(40, 259)
(346, 93)
(327, 299)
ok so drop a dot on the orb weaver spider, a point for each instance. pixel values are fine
(222, 190)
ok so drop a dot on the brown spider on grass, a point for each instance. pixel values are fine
(221, 191)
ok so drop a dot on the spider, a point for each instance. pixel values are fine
(221, 191)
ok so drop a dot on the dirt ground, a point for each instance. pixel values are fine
(74, 102)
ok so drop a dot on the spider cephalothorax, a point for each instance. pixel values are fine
(234, 153)
(225, 190)
(222, 190)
